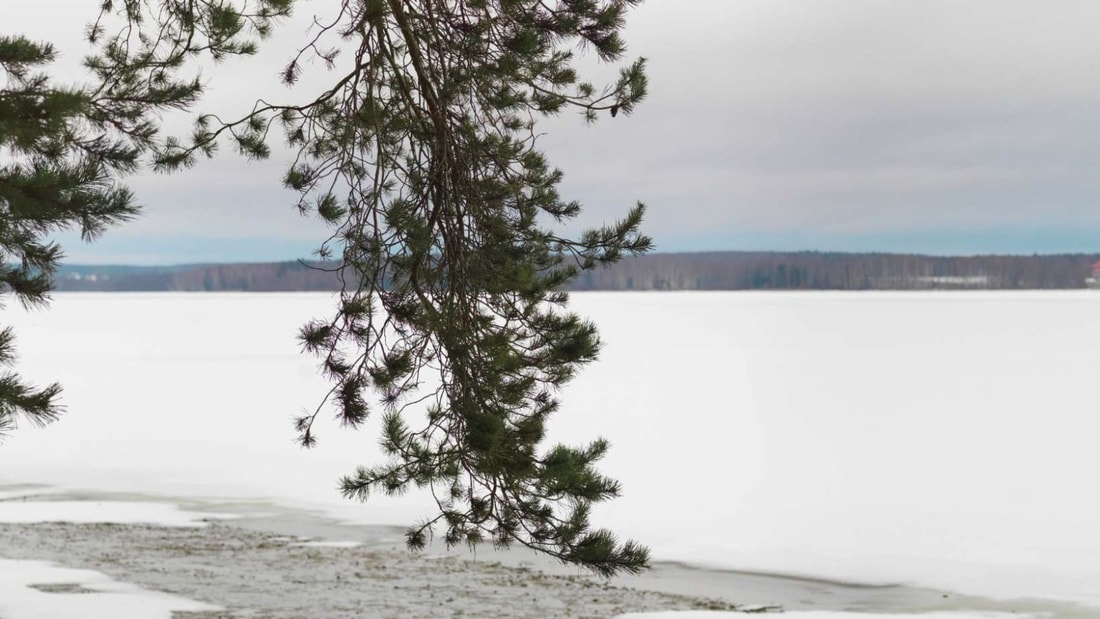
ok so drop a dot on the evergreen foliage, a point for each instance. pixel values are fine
(61, 151)
(422, 156)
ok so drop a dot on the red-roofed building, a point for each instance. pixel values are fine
(1093, 281)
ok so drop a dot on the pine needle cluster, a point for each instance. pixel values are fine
(422, 156)
(62, 150)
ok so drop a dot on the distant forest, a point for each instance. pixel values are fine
(687, 271)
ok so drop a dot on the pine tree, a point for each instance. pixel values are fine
(62, 150)
(422, 157)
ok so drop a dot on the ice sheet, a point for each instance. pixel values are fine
(93, 595)
(17, 492)
(943, 439)
(114, 512)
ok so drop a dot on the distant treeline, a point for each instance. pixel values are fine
(839, 271)
(688, 271)
(253, 277)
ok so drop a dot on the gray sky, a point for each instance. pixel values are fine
(936, 126)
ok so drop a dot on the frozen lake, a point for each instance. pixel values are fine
(940, 439)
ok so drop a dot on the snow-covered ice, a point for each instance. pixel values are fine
(941, 439)
(820, 614)
(114, 512)
(25, 593)
(335, 543)
(17, 492)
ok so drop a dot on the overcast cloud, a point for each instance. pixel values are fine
(950, 126)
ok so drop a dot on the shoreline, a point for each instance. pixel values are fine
(259, 559)
(253, 574)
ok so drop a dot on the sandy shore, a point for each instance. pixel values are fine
(254, 574)
(282, 563)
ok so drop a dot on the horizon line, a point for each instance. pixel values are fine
(655, 253)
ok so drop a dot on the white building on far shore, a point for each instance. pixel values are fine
(1093, 281)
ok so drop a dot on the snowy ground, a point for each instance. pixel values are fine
(39, 590)
(942, 439)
